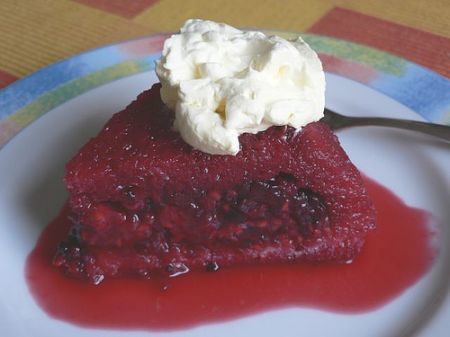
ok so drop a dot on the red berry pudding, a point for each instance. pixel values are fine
(216, 168)
(144, 201)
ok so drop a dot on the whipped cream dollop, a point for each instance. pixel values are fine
(222, 82)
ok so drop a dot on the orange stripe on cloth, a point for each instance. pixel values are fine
(432, 16)
(123, 8)
(424, 48)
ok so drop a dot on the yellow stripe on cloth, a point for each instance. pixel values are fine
(430, 16)
(169, 15)
(35, 35)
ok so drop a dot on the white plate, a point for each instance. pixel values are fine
(31, 194)
(415, 167)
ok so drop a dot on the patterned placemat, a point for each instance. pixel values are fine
(36, 33)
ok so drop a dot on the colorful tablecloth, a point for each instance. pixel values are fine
(36, 33)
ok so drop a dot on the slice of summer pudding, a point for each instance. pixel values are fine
(146, 199)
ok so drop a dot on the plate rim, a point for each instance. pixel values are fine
(22, 102)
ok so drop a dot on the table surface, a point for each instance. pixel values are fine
(36, 33)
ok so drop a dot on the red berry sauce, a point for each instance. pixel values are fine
(403, 237)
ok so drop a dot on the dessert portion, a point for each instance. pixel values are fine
(144, 201)
(148, 198)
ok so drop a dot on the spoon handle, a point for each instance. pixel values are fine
(337, 121)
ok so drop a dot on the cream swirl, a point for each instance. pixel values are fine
(223, 82)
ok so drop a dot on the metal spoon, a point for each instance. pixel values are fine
(337, 121)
